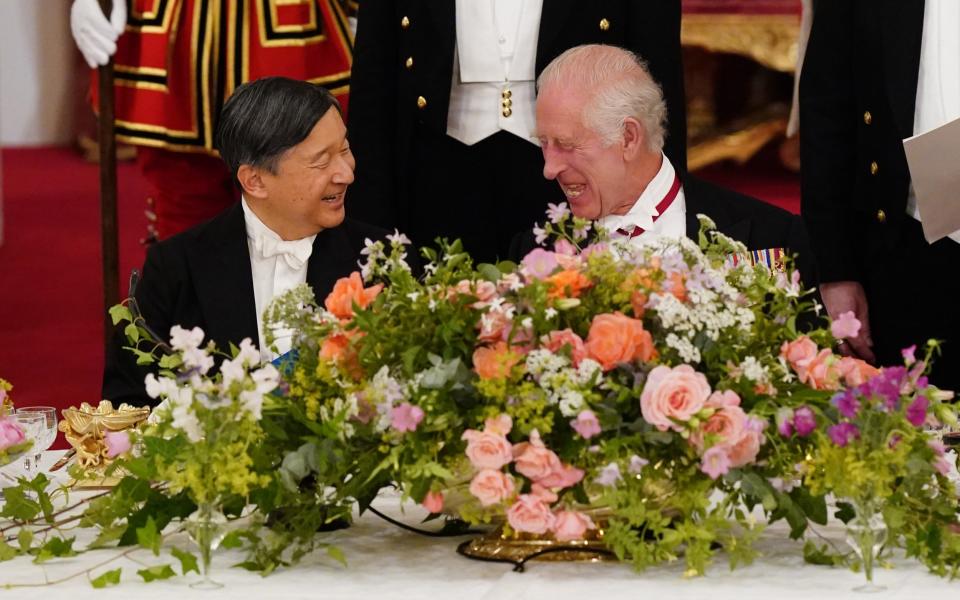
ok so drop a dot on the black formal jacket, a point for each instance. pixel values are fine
(202, 278)
(756, 224)
(857, 99)
(384, 112)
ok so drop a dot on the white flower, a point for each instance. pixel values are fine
(557, 212)
(753, 370)
(550, 313)
(586, 370)
(183, 339)
(540, 234)
(266, 378)
(197, 358)
(162, 387)
(432, 305)
(249, 355)
(398, 238)
(252, 402)
(413, 296)
(571, 403)
(527, 323)
(232, 371)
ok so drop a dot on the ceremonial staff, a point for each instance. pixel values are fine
(108, 190)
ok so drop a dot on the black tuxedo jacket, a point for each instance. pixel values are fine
(384, 115)
(758, 225)
(857, 99)
(201, 278)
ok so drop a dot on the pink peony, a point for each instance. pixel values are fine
(491, 487)
(10, 434)
(557, 340)
(671, 395)
(433, 502)
(539, 263)
(487, 450)
(571, 525)
(845, 326)
(530, 515)
(406, 417)
(117, 442)
(586, 424)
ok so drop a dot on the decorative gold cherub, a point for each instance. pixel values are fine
(84, 428)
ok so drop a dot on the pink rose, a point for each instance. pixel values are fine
(539, 263)
(822, 372)
(498, 425)
(487, 450)
(406, 417)
(562, 477)
(10, 434)
(855, 371)
(533, 459)
(557, 340)
(433, 502)
(491, 487)
(724, 427)
(571, 525)
(799, 353)
(545, 494)
(495, 325)
(586, 424)
(673, 395)
(530, 515)
(745, 450)
(845, 326)
(117, 442)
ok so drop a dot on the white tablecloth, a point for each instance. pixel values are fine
(387, 562)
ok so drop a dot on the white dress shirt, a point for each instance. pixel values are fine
(494, 60)
(671, 224)
(276, 266)
(938, 83)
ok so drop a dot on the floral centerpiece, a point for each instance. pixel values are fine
(662, 391)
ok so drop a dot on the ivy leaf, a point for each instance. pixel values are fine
(147, 536)
(188, 562)
(132, 333)
(6, 550)
(156, 573)
(18, 506)
(232, 540)
(55, 547)
(119, 312)
(143, 358)
(106, 579)
(25, 539)
(815, 507)
(844, 512)
(818, 555)
(170, 361)
(337, 554)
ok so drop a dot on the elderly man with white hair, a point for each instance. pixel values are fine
(600, 121)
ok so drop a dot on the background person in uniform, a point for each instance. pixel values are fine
(874, 74)
(443, 99)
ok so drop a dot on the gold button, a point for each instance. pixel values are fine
(881, 216)
(867, 117)
(506, 93)
(409, 63)
(507, 103)
(507, 111)
(604, 24)
(421, 102)
(405, 22)
(874, 168)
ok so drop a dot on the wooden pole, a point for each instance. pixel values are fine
(108, 191)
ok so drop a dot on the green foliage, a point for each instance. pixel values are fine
(106, 579)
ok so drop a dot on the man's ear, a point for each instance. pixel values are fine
(634, 138)
(251, 181)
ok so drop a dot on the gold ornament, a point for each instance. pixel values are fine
(84, 428)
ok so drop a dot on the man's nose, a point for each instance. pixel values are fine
(552, 167)
(344, 172)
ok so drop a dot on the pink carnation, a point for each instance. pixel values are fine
(672, 395)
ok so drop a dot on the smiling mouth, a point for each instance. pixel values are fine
(573, 190)
(333, 198)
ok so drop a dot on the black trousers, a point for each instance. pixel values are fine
(913, 294)
(483, 194)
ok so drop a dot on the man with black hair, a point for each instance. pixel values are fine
(286, 145)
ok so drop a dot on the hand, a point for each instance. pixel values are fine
(840, 297)
(96, 37)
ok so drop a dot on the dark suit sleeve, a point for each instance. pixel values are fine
(654, 33)
(122, 377)
(373, 117)
(828, 138)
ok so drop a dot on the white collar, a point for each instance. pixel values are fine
(644, 209)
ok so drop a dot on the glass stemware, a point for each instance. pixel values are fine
(33, 426)
(48, 429)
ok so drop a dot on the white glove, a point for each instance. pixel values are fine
(96, 37)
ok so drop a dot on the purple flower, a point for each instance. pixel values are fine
(804, 421)
(785, 427)
(916, 412)
(843, 433)
(609, 475)
(847, 403)
(886, 386)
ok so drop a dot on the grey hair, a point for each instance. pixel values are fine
(623, 88)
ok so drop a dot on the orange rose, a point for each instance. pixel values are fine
(616, 338)
(822, 372)
(855, 371)
(494, 362)
(568, 284)
(638, 302)
(337, 348)
(347, 291)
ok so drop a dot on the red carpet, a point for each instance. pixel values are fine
(50, 298)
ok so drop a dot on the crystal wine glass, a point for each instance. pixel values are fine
(33, 426)
(48, 431)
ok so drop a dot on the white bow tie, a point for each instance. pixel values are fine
(295, 253)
